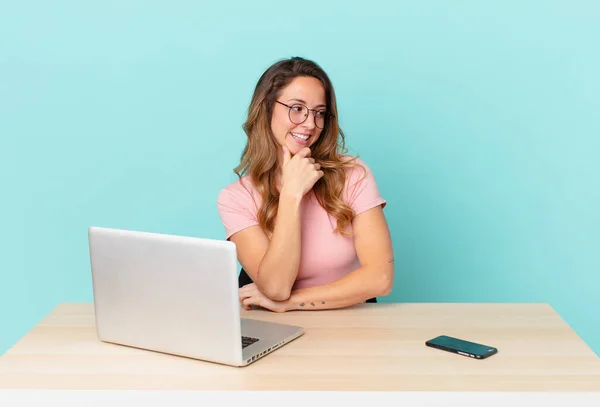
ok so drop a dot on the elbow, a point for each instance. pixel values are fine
(386, 290)
(277, 293)
(385, 283)
(276, 289)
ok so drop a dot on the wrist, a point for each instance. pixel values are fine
(291, 304)
(288, 305)
(290, 197)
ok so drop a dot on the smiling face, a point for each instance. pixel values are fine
(303, 90)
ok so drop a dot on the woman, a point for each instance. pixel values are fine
(307, 220)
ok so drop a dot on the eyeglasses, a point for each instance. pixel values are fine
(299, 113)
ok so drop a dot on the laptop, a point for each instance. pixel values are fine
(176, 295)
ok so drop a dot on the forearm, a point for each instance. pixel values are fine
(354, 288)
(279, 266)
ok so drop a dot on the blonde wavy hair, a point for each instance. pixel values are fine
(259, 157)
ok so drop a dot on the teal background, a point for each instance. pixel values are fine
(479, 120)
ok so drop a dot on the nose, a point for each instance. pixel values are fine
(310, 123)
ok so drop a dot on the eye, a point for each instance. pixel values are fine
(321, 113)
(297, 108)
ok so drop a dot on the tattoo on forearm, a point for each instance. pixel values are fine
(312, 303)
(391, 260)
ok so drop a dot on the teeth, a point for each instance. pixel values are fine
(300, 136)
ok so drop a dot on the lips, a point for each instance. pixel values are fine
(300, 136)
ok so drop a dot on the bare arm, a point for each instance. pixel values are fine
(273, 265)
(375, 276)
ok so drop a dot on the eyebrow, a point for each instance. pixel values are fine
(302, 101)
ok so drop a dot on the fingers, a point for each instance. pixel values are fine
(302, 155)
(305, 152)
(315, 164)
(300, 172)
(247, 295)
(287, 156)
(247, 288)
(316, 169)
(249, 302)
(246, 291)
(245, 301)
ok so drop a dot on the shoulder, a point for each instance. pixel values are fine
(238, 193)
(357, 170)
(237, 205)
(361, 191)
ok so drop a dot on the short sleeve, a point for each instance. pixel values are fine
(236, 208)
(362, 192)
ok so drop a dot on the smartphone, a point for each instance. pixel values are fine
(462, 347)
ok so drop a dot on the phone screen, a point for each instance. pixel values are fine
(462, 346)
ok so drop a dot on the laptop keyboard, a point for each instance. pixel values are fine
(247, 341)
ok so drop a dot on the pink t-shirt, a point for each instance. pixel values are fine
(326, 256)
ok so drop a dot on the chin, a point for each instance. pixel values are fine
(294, 149)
